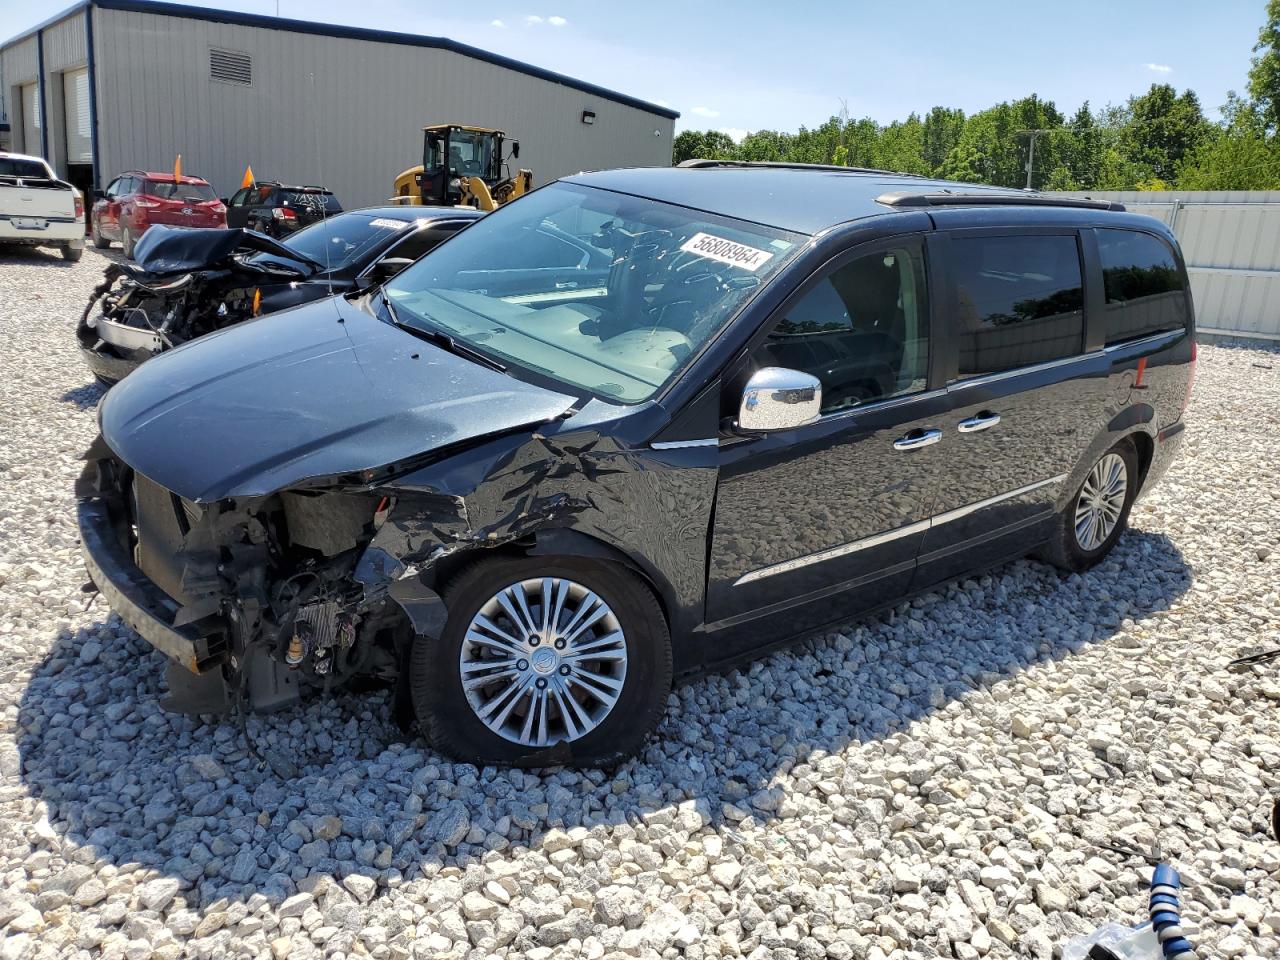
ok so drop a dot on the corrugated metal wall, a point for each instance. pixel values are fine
(1231, 242)
(64, 49)
(343, 112)
(18, 67)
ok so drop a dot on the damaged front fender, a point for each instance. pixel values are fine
(561, 491)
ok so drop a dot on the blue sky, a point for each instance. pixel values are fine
(755, 64)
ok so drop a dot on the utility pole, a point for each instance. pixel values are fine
(1031, 150)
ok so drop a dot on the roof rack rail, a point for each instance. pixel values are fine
(786, 165)
(977, 198)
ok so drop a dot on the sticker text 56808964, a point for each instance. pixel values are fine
(726, 251)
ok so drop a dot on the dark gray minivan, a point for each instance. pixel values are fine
(637, 423)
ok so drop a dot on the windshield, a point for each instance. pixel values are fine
(26, 169)
(609, 293)
(341, 240)
(199, 192)
(470, 154)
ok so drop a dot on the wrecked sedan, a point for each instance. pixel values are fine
(186, 283)
(631, 425)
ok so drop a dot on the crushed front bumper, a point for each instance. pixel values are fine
(138, 601)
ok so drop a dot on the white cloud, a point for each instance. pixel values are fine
(557, 21)
(1159, 67)
(737, 134)
(532, 20)
(704, 112)
(498, 23)
(662, 103)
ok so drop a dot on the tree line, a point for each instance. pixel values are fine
(1159, 140)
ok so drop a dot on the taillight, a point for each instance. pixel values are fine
(1191, 378)
(283, 213)
(79, 206)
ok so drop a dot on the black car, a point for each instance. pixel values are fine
(529, 484)
(279, 209)
(187, 283)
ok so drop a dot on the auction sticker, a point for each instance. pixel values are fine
(726, 251)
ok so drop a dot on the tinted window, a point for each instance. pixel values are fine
(240, 197)
(26, 169)
(199, 192)
(863, 331)
(1144, 288)
(311, 199)
(1019, 301)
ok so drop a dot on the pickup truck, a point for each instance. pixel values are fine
(37, 209)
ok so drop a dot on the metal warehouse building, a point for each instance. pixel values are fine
(112, 85)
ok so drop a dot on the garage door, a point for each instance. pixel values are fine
(31, 120)
(75, 97)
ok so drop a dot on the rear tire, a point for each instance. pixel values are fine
(127, 242)
(72, 254)
(631, 635)
(1096, 516)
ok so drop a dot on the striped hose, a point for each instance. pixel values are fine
(1166, 919)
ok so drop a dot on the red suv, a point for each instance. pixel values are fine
(135, 200)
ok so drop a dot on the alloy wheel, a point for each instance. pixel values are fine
(1101, 501)
(543, 661)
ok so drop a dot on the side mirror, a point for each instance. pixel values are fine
(99, 194)
(388, 267)
(515, 149)
(224, 201)
(776, 398)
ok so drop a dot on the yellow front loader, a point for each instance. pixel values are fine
(462, 166)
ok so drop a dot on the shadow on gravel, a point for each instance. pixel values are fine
(86, 397)
(183, 796)
(20, 256)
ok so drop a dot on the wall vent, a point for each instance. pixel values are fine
(230, 66)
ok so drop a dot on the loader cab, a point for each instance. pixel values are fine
(452, 152)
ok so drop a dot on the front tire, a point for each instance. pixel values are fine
(1097, 515)
(543, 661)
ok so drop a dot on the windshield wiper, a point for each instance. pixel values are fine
(439, 338)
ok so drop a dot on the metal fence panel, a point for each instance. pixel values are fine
(1231, 242)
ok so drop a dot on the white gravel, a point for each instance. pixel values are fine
(947, 780)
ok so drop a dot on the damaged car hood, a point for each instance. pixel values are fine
(321, 390)
(167, 250)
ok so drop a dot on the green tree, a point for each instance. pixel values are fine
(1240, 158)
(942, 130)
(1264, 73)
(702, 145)
(1164, 128)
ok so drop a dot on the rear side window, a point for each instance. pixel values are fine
(1020, 301)
(1145, 293)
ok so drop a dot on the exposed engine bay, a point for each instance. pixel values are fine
(262, 590)
(184, 284)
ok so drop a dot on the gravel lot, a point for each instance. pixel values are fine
(948, 780)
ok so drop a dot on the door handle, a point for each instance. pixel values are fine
(917, 439)
(983, 421)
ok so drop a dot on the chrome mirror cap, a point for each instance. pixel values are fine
(776, 398)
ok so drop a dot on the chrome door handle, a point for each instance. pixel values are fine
(917, 439)
(982, 421)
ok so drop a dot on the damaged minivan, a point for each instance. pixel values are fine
(633, 425)
(185, 283)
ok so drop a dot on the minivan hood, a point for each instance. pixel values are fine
(320, 390)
